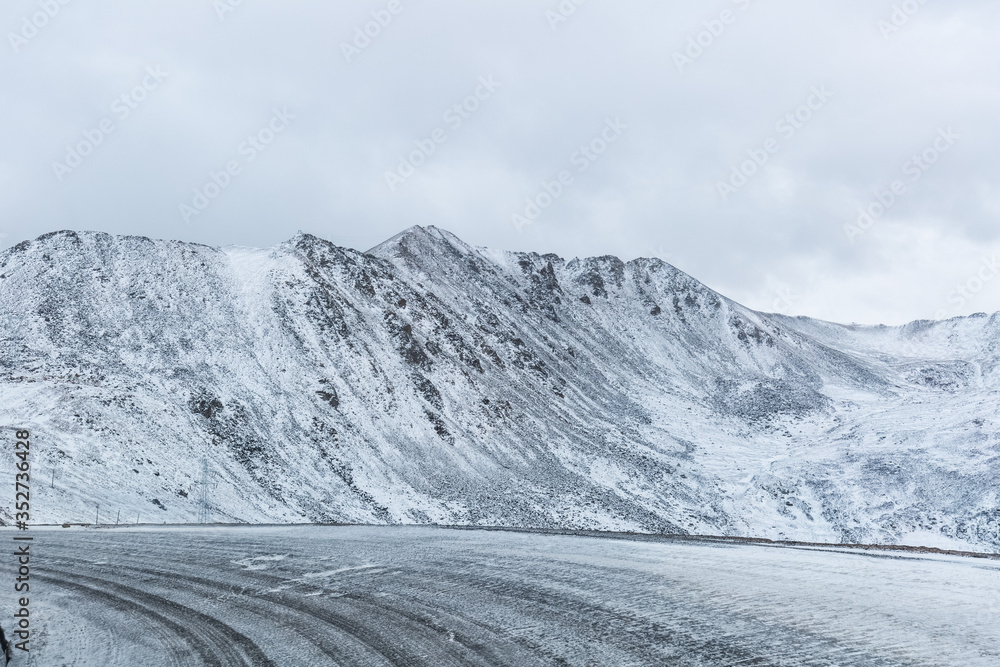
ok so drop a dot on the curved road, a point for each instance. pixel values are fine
(312, 596)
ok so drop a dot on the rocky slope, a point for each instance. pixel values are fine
(430, 381)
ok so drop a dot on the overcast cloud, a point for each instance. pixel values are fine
(182, 85)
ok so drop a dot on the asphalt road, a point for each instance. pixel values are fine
(311, 596)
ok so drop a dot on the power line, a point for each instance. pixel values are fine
(205, 496)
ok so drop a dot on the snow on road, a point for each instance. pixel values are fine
(426, 596)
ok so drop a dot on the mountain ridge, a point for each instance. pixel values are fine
(429, 381)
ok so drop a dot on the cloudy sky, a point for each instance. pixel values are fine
(740, 140)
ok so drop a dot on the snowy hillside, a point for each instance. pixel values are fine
(430, 381)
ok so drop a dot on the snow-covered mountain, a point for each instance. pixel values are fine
(427, 380)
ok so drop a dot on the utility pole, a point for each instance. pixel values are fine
(53, 479)
(137, 518)
(97, 521)
(205, 496)
(118, 517)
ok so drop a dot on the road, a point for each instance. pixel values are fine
(310, 596)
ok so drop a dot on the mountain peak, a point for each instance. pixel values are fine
(421, 243)
(414, 234)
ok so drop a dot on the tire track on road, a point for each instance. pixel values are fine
(217, 644)
(372, 639)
